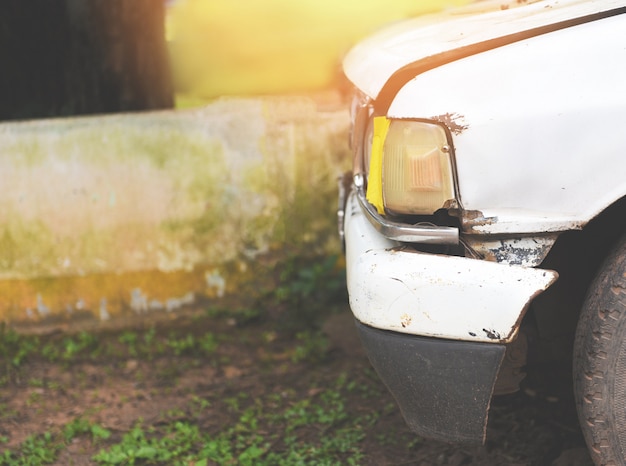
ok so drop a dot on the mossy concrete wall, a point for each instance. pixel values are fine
(135, 213)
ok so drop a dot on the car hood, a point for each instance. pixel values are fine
(371, 63)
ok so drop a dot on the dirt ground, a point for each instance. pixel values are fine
(255, 357)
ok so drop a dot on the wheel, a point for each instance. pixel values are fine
(600, 362)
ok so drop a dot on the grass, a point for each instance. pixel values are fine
(294, 412)
(276, 429)
(44, 448)
(273, 430)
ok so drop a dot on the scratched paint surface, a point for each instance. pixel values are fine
(161, 194)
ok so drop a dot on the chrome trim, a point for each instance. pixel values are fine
(419, 233)
(359, 127)
(344, 183)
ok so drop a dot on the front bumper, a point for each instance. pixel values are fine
(392, 287)
(435, 327)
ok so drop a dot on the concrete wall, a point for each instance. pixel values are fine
(136, 213)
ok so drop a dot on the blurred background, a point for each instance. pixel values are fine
(78, 57)
(136, 205)
(249, 47)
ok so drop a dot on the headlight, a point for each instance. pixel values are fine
(410, 167)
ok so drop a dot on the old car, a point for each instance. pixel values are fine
(484, 219)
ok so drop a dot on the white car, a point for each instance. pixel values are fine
(485, 215)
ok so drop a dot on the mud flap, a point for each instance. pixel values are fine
(443, 387)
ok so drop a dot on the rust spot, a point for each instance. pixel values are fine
(512, 251)
(492, 334)
(518, 255)
(455, 122)
(476, 218)
(405, 320)
(472, 214)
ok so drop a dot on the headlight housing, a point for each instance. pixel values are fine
(410, 166)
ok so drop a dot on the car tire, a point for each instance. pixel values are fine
(599, 363)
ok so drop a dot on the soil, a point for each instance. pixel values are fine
(531, 427)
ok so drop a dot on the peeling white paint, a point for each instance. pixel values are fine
(155, 305)
(525, 251)
(138, 301)
(104, 313)
(174, 304)
(42, 309)
(215, 282)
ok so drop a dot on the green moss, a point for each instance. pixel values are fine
(169, 191)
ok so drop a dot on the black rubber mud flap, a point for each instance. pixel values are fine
(443, 387)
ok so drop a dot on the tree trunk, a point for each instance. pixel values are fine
(73, 57)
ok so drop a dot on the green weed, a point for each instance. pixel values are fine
(208, 343)
(140, 446)
(182, 345)
(16, 348)
(200, 404)
(129, 339)
(136, 344)
(35, 450)
(44, 449)
(188, 344)
(82, 345)
(277, 429)
(312, 347)
(82, 426)
(302, 279)
(6, 412)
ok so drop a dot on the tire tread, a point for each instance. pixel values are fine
(599, 341)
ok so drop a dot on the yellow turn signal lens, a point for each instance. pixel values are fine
(416, 168)
(374, 185)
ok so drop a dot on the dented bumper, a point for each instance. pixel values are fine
(399, 289)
